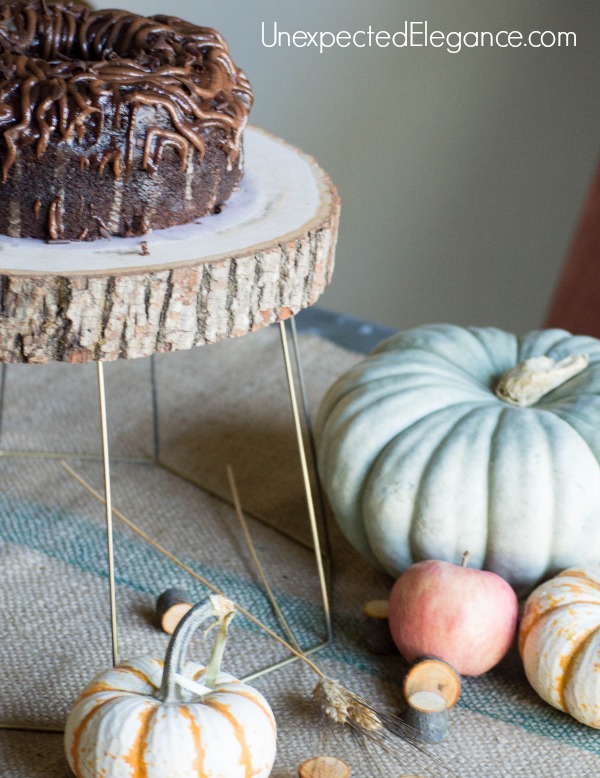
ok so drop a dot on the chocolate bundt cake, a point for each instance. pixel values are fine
(112, 123)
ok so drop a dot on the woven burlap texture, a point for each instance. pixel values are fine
(218, 405)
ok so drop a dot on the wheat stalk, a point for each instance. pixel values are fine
(338, 703)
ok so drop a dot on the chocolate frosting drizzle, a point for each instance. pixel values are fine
(66, 72)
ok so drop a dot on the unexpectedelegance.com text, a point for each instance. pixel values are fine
(416, 34)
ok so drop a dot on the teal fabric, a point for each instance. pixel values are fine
(502, 694)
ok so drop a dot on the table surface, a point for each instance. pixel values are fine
(52, 552)
(342, 329)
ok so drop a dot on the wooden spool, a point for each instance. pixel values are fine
(378, 635)
(171, 607)
(324, 767)
(431, 690)
(268, 255)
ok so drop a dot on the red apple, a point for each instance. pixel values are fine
(464, 616)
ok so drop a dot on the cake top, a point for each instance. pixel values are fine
(66, 70)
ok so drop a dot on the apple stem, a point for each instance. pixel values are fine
(465, 559)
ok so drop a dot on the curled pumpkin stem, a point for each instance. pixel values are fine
(219, 610)
(224, 611)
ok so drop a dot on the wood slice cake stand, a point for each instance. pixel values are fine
(267, 255)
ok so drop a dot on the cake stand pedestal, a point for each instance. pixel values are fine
(265, 257)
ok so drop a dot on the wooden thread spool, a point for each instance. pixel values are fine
(431, 689)
(379, 638)
(171, 607)
(324, 767)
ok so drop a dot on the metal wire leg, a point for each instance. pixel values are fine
(313, 450)
(306, 477)
(3, 375)
(155, 416)
(16, 726)
(109, 525)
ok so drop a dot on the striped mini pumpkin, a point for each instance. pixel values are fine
(146, 718)
(559, 642)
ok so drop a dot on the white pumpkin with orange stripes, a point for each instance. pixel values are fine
(559, 642)
(146, 718)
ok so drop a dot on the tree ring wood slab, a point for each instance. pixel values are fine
(265, 257)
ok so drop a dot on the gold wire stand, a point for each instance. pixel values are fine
(302, 427)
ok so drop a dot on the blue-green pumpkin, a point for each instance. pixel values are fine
(435, 444)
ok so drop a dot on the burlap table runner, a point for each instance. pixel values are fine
(222, 404)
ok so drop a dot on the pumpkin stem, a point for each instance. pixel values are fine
(213, 667)
(529, 381)
(216, 606)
